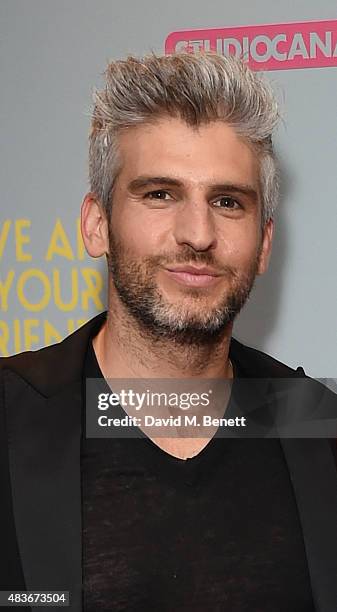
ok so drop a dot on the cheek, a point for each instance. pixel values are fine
(136, 236)
(239, 247)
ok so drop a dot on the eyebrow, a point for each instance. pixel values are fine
(146, 181)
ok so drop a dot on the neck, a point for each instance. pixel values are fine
(123, 349)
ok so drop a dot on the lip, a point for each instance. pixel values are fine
(204, 270)
(194, 277)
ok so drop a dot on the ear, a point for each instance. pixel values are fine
(94, 226)
(265, 253)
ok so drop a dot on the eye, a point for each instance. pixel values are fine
(157, 195)
(227, 202)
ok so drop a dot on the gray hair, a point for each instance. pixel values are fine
(197, 88)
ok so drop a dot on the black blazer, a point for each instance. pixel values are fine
(40, 510)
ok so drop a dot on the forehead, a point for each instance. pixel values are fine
(211, 152)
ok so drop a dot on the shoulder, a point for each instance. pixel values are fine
(255, 363)
(28, 363)
(49, 368)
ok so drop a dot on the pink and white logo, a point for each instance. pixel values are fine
(311, 44)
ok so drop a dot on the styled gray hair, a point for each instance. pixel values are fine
(197, 88)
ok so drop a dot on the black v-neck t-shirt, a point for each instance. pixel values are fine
(217, 532)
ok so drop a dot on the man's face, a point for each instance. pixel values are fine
(186, 197)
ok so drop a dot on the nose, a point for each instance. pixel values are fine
(194, 225)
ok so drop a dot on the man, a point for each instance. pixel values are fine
(184, 186)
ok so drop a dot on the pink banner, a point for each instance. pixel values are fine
(310, 44)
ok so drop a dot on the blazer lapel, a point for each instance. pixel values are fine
(312, 469)
(44, 436)
(313, 474)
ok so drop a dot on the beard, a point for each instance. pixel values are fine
(191, 319)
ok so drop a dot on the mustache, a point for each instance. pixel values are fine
(152, 262)
(185, 256)
(201, 259)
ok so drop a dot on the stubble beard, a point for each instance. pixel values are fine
(180, 322)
